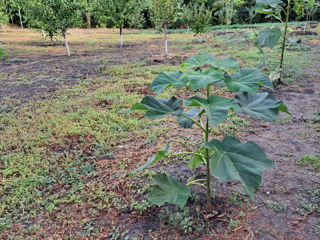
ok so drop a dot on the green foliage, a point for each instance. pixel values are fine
(268, 37)
(234, 161)
(278, 207)
(305, 7)
(54, 17)
(164, 12)
(229, 160)
(3, 54)
(4, 18)
(117, 12)
(314, 161)
(168, 189)
(187, 14)
(299, 8)
(274, 8)
(227, 10)
(200, 19)
(178, 219)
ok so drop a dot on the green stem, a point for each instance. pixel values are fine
(207, 158)
(231, 114)
(194, 121)
(223, 92)
(195, 182)
(284, 40)
(187, 153)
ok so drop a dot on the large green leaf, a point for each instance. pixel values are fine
(155, 158)
(248, 80)
(227, 63)
(235, 161)
(164, 80)
(196, 159)
(159, 108)
(269, 3)
(202, 79)
(192, 113)
(268, 6)
(204, 58)
(168, 189)
(196, 61)
(260, 105)
(268, 37)
(209, 56)
(216, 107)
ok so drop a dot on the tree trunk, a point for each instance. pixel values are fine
(20, 18)
(121, 37)
(88, 15)
(3, 28)
(64, 33)
(43, 34)
(165, 40)
(305, 24)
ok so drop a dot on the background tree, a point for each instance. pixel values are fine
(4, 18)
(118, 12)
(305, 8)
(200, 20)
(88, 7)
(227, 10)
(54, 17)
(187, 15)
(16, 6)
(164, 12)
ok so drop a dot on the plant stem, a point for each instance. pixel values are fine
(196, 182)
(207, 158)
(194, 121)
(284, 41)
(187, 153)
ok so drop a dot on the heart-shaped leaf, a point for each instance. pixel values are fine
(235, 161)
(202, 79)
(204, 58)
(196, 61)
(159, 108)
(260, 105)
(192, 113)
(216, 107)
(209, 56)
(155, 158)
(227, 63)
(168, 189)
(165, 80)
(268, 37)
(248, 80)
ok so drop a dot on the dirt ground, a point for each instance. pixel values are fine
(286, 207)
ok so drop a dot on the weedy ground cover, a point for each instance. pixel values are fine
(68, 140)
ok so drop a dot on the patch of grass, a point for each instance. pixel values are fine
(3, 54)
(276, 206)
(306, 160)
(181, 220)
(238, 199)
